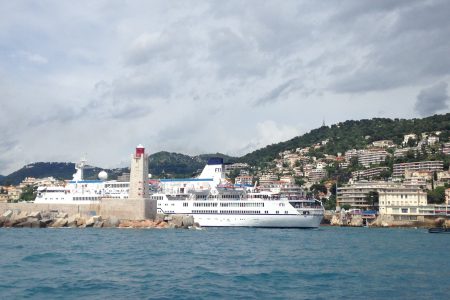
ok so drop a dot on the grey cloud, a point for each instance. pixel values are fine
(236, 56)
(432, 99)
(275, 93)
(402, 54)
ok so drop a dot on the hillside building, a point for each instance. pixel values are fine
(431, 166)
(383, 144)
(243, 180)
(369, 173)
(408, 137)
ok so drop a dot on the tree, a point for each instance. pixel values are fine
(330, 204)
(346, 206)
(372, 199)
(436, 196)
(318, 188)
(28, 193)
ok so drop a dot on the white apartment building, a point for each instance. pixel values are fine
(408, 137)
(355, 193)
(243, 180)
(383, 144)
(431, 166)
(317, 175)
(368, 157)
(369, 173)
(432, 140)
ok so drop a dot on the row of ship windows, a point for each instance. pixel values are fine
(157, 197)
(241, 212)
(85, 198)
(203, 204)
(233, 212)
(204, 197)
(242, 204)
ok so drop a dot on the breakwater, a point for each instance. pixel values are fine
(347, 219)
(133, 213)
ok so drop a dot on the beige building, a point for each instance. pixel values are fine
(244, 180)
(355, 194)
(317, 175)
(383, 144)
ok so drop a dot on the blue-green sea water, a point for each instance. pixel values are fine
(224, 263)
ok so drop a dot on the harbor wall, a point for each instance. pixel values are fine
(129, 209)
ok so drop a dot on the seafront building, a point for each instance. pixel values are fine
(355, 194)
(402, 202)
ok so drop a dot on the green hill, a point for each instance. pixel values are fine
(167, 164)
(164, 164)
(353, 134)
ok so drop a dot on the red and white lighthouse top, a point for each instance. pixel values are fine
(140, 150)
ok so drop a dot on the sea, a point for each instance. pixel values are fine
(224, 263)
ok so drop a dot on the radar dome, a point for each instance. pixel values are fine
(149, 176)
(102, 175)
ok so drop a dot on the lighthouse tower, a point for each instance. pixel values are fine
(139, 174)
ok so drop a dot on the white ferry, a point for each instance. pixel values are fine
(80, 191)
(208, 198)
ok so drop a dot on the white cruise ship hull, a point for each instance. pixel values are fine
(267, 221)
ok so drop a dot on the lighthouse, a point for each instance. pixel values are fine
(139, 174)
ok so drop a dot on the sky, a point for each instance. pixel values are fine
(95, 78)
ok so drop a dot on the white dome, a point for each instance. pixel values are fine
(149, 175)
(102, 175)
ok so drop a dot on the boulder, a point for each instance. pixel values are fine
(111, 222)
(98, 224)
(72, 222)
(2, 220)
(7, 214)
(60, 222)
(188, 221)
(62, 215)
(160, 218)
(35, 215)
(177, 220)
(25, 224)
(47, 221)
(90, 222)
(46, 215)
(38, 224)
(356, 221)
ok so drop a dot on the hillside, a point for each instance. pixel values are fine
(160, 164)
(169, 164)
(56, 169)
(353, 134)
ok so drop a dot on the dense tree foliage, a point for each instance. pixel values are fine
(179, 165)
(437, 196)
(28, 193)
(353, 134)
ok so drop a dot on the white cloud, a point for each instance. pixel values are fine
(195, 77)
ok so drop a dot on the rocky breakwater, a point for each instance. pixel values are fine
(52, 219)
(346, 219)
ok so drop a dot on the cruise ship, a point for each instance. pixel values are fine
(213, 202)
(209, 198)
